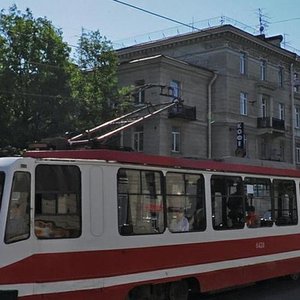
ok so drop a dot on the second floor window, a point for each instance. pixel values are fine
(281, 111)
(296, 82)
(297, 116)
(138, 139)
(243, 103)
(264, 107)
(175, 139)
(263, 70)
(298, 155)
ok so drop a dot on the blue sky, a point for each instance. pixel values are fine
(124, 25)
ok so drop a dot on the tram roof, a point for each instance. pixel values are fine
(161, 161)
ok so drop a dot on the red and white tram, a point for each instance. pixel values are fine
(101, 224)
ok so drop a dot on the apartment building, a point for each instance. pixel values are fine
(240, 93)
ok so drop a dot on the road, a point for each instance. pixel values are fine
(276, 289)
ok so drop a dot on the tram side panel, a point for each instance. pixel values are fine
(78, 244)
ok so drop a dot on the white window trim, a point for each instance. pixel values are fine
(175, 140)
(243, 103)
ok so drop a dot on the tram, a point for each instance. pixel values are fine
(103, 224)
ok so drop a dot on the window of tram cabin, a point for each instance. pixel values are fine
(140, 202)
(285, 204)
(185, 202)
(258, 202)
(57, 202)
(227, 196)
(18, 218)
(2, 177)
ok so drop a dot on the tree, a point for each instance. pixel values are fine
(95, 82)
(34, 79)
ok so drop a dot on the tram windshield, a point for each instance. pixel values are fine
(2, 176)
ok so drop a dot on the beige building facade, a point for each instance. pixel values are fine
(240, 94)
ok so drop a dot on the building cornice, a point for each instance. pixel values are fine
(226, 31)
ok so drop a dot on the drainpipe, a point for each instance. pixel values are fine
(293, 114)
(209, 119)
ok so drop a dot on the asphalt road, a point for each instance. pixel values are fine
(276, 289)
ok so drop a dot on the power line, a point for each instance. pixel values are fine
(155, 14)
(287, 20)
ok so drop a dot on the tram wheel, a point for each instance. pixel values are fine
(178, 290)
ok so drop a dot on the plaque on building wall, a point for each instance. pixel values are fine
(240, 140)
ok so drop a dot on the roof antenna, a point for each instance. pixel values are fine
(263, 24)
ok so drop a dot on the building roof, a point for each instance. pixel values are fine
(229, 31)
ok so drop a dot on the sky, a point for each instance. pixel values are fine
(124, 25)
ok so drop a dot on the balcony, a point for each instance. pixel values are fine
(273, 123)
(183, 112)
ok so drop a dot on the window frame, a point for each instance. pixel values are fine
(244, 103)
(58, 202)
(280, 216)
(281, 110)
(263, 70)
(243, 63)
(138, 139)
(176, 140)
(297, 116)
(231, 205)
(185, 202)
(148, 214)
(21, 219)
(175, 86)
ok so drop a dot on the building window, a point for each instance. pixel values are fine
(298, 155)
(139, 92)
(280, 76)
(263, 70)
(264, 107)
(175, 89)
(296, 82)
(243, 63)
(138, 139)
(263, 148)
(243, 103)
(175, 139)
(297, 116)
(281, 111)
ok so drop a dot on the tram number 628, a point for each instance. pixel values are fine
(260, 245)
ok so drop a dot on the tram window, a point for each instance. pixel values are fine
(258, 202)
(140, 202)
(285, 206)
(227, 195)
(18, 219)
(2, 176)
(185, 202)
(57, 202)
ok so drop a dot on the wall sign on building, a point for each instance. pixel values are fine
(240, 140)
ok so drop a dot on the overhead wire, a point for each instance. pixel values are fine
(155, 14)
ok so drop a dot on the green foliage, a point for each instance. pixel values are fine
(34, 79)
(95, 82)
(43, 92)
